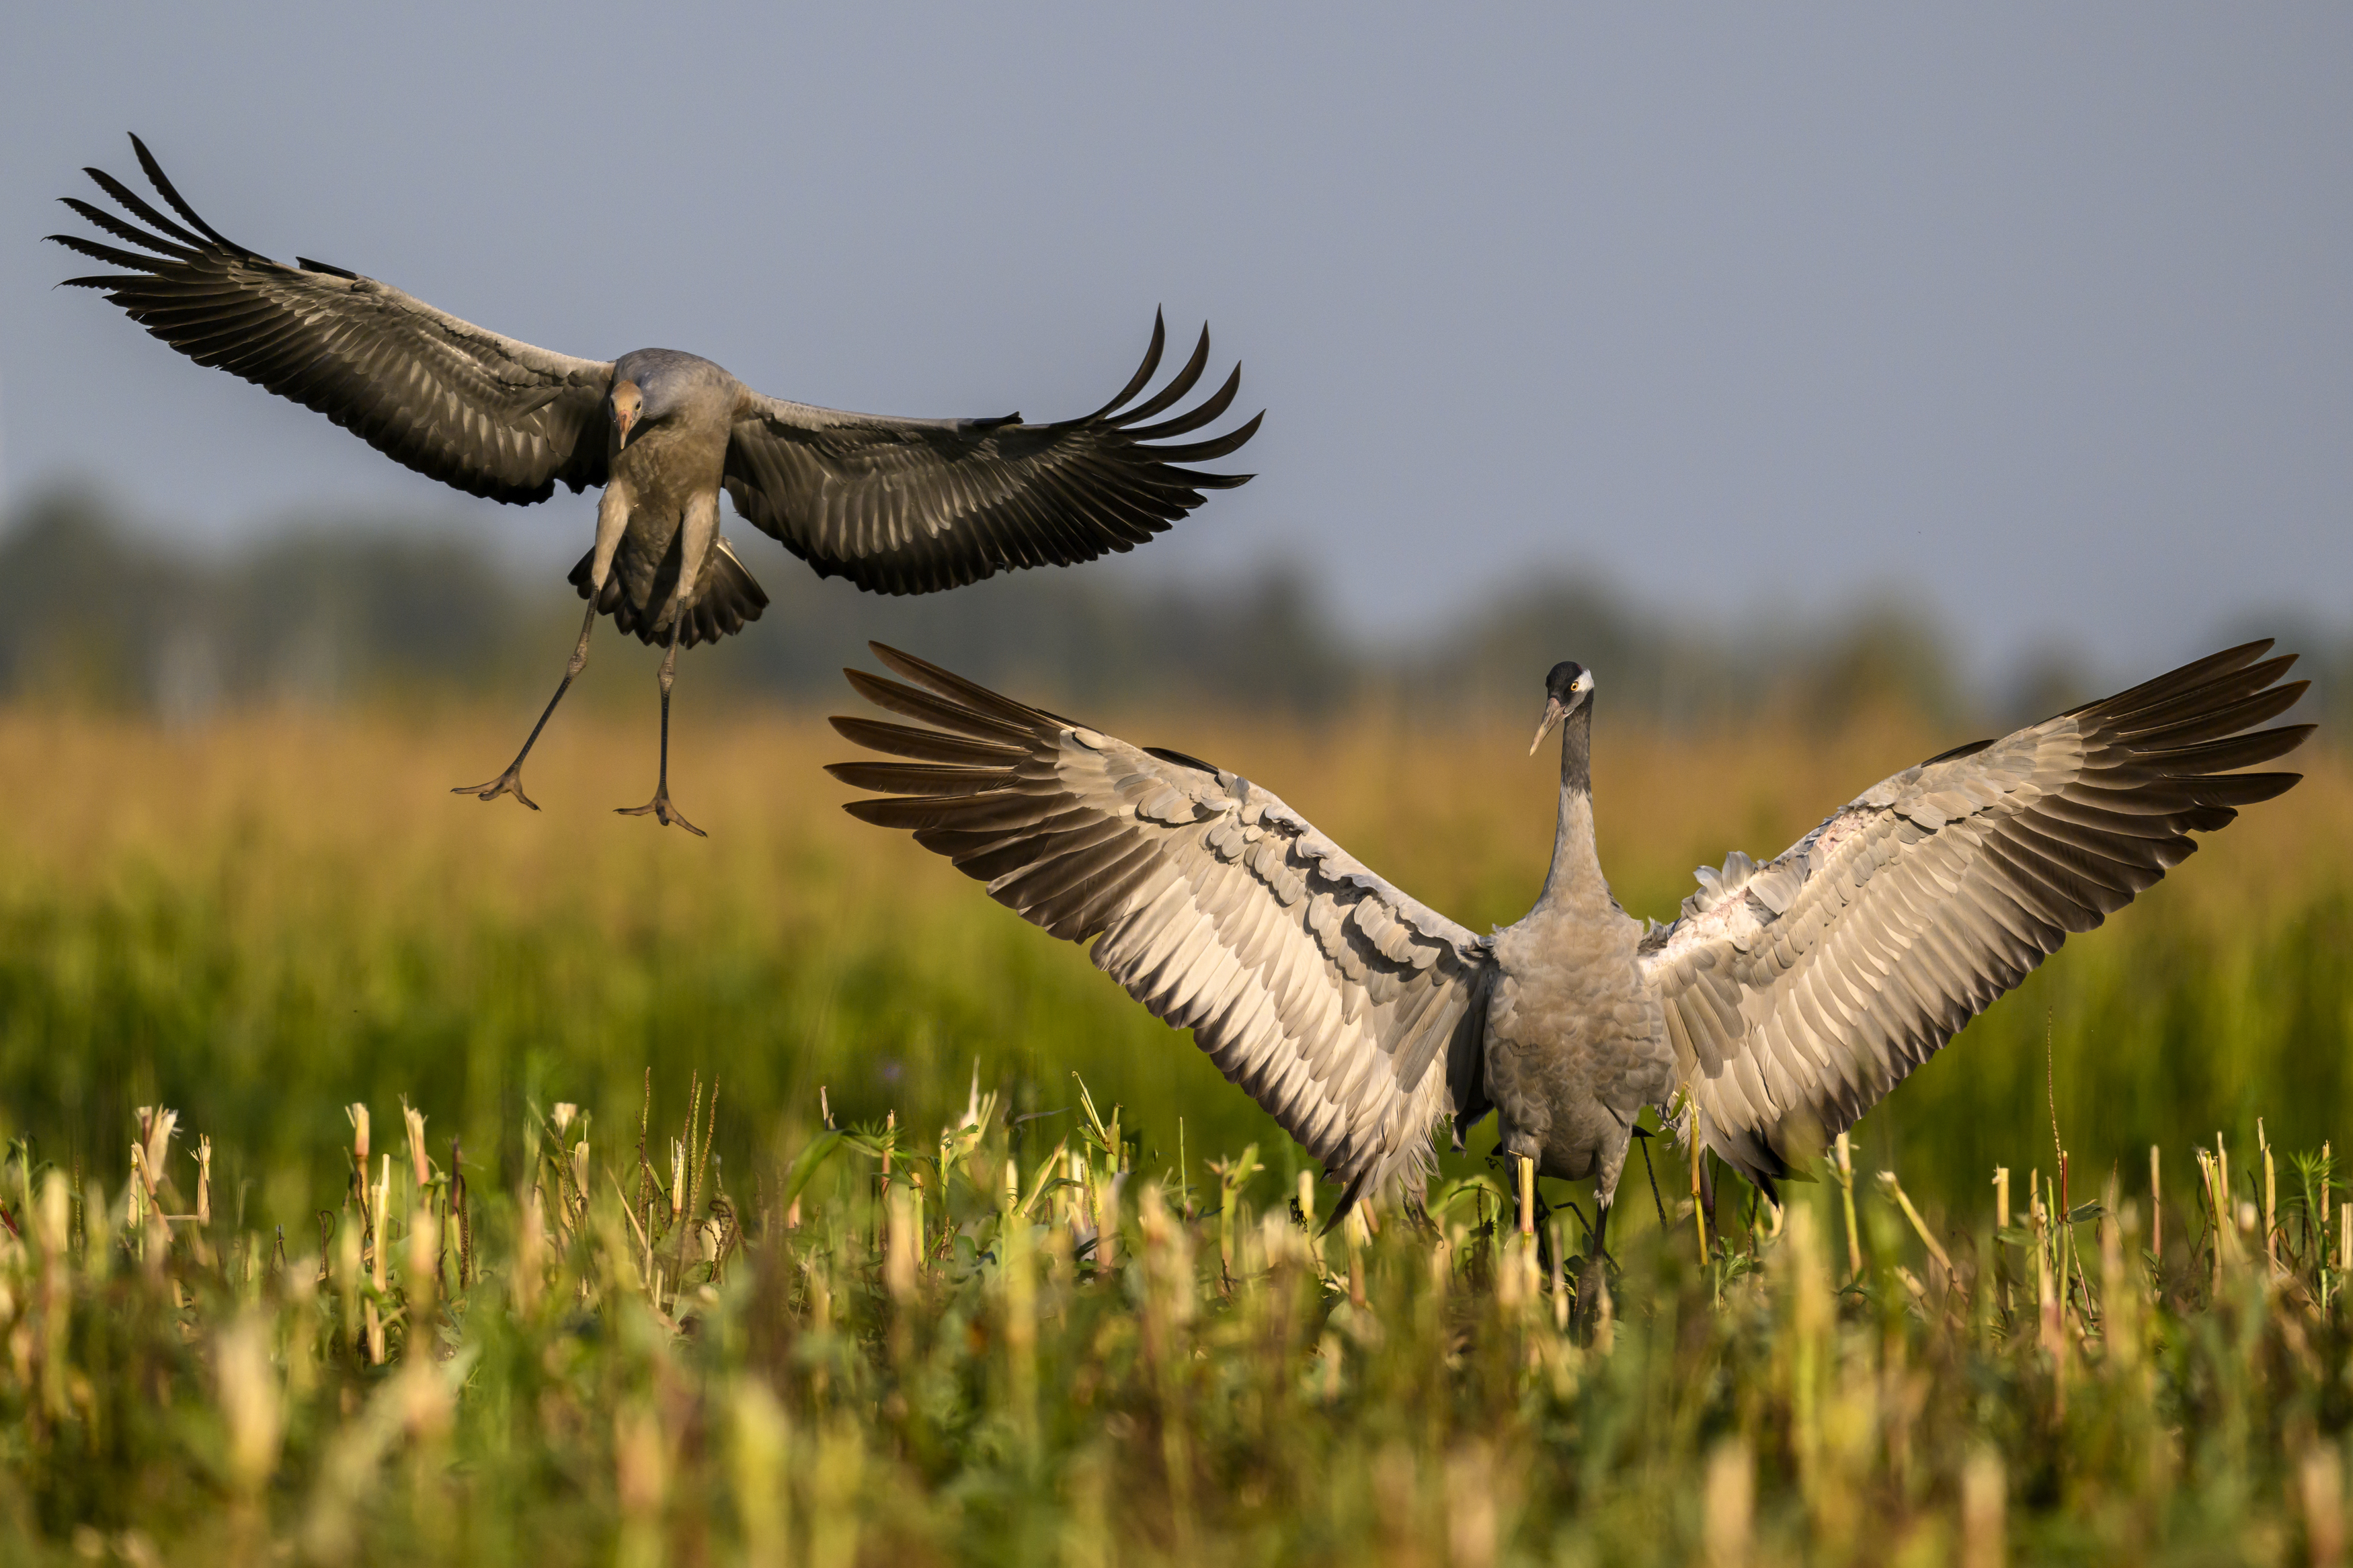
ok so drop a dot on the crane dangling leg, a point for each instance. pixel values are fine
(660, 807)
(697, 530)
(510, 781)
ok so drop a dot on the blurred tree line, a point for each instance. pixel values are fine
(97, 613)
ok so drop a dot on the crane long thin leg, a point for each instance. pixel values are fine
(1593, 1280)
(510, 781)
(660, 807)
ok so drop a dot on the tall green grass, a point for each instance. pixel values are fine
(725, 1333)
(264, 921)
(987, 1343)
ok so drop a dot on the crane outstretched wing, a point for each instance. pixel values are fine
(491, 416)
(911, 506)
(1799, 992)
(1349, 1011)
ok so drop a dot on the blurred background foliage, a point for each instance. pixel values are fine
(100, 612)
(232, 879)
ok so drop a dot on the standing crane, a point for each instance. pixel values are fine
(1786, 1001)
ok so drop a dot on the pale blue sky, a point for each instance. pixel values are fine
(2042, 315)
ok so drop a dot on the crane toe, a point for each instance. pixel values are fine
(661, 811)
(506, 782)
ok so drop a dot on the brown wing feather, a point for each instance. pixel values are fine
(911, 505)
(491, 416)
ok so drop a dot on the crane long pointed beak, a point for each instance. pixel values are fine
(1553, 714)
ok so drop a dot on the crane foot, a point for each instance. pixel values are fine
(661, 809)
(506, 782)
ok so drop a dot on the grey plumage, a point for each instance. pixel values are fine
(1786, 1000)
(897, 506)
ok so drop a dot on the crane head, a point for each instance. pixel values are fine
(1567, 688)
(626, 405)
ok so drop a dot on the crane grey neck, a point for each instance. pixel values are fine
(1576, 864)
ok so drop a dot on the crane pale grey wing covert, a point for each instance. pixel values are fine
(1348, 1010)
(899, 506)
(1797, 992)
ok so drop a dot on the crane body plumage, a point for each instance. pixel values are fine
(1576, 1044)
(657, 522)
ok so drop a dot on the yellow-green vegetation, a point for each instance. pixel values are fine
(686, 1359)
(263, 921)
(985, 1345)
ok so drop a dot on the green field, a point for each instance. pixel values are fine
(263, 922)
